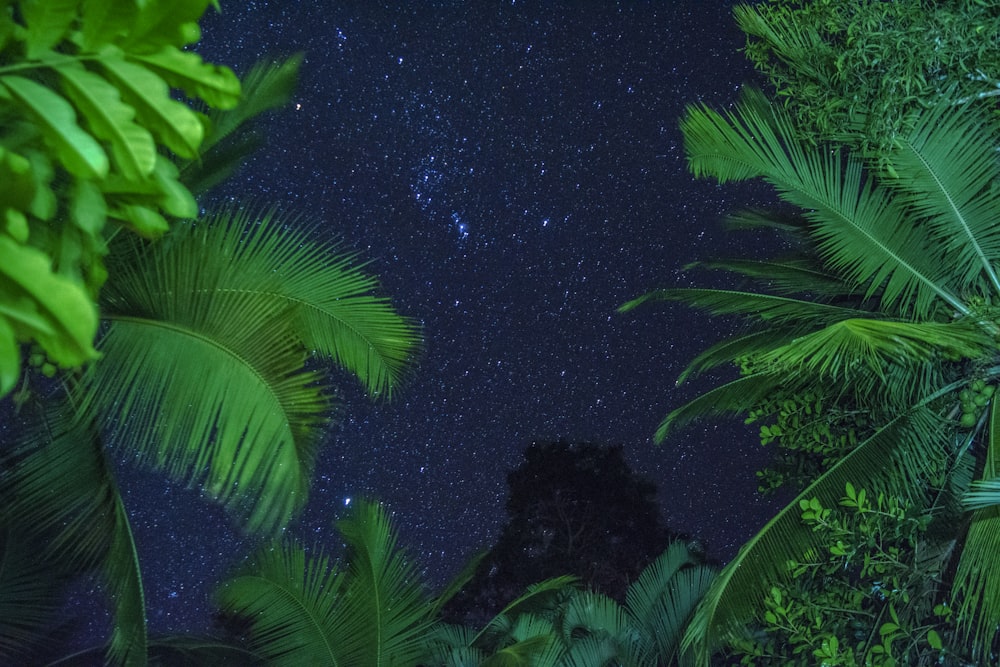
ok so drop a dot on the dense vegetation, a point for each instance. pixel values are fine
(869, 363)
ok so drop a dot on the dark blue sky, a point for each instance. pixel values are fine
(514, 172)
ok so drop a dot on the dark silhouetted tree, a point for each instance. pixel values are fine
(574, 508)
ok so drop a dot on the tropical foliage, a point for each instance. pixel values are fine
(855, 71)
(887, 309)
(554, 624)
(302, 609)
(90, 123)
(213, 340)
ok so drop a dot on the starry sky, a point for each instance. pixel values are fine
(514, 172)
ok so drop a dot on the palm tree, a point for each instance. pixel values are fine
(891, 305)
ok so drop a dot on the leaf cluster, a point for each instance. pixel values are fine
(90, 130)
(870, 594)
(855, 72)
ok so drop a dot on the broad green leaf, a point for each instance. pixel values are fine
(50, 308)
(144, 220)
(215, 84)
(56, 120)
(175, 199)
(17, 183)
(164, 22)
(100, 103)
(104, 21)
(87, 208)
(47, 22)
(10, 357)
(174, 123)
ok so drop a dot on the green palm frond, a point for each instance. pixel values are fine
(593, 622)
(795, 275)
(31, 592)
(229, 409)
(736, 348)
(895, 459)
(194, 651)
(769, 308)
(740, 395)
(856, 348)
(230, 137)
(62, 489)
(540, 596)
(291, 600)
(862, 232)
(644, 593)
(336, 313)
(661, 601)
(386, 609)
(976, 589)
(947, 174)
(205, 351)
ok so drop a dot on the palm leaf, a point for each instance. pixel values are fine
(542, 595)
(193, 651)
(336, 314)
(291, 601)
(662, 599)
(30, 594)
(386, 609)
(867, 346)
(794, 275)
(861, 231)
(63, 489)
(947, 171)
(230, 139)
(737, 348)
(976, 589)
(740, 395)
(599, 624)
(894, 459)
(215, 407)
(766, 307)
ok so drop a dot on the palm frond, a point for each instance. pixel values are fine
(335, 311)
(894, 459)
(230, 139)
(976, 588)
(740, 395)
(661, 601)
(290, 599)
(542, 595)
(736, 348)
(233, 413)
(194, 651)
(947, 171)
(386, 609)
(62, 488)
(765, 307)
(860, 230)
(206, 348)
(30, 595)
(843, 349)
(598, 623)
(794, 275)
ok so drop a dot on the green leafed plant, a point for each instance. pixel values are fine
(208, 335)
(303, 608)
(89, 122)
(888, 309)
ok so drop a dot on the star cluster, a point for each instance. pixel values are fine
(514, 172)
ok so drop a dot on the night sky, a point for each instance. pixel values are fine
(514, 172)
